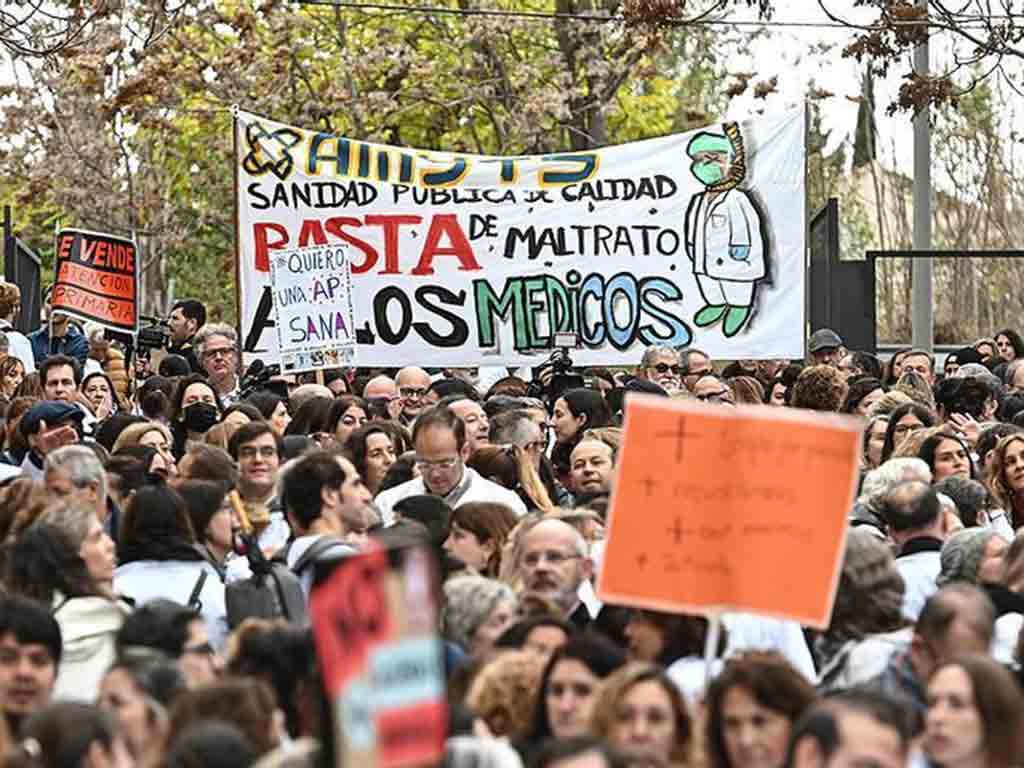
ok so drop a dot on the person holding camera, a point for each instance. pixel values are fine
(187, 316)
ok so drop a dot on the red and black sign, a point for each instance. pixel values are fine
(97, 278)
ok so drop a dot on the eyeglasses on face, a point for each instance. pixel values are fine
(553, 556)
(412, 392)
(210, 354)
(438, 464)
(665, 368)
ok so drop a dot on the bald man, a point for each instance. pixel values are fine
(554, 563)
(413, 384)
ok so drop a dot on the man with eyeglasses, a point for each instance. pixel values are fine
(413, 384)
(661, 365)
(439, 440)
(554, 564)
(711, 389)
(217, 346)
(257, 449)
(695, 364)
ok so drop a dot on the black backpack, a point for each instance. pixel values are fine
(274, 590)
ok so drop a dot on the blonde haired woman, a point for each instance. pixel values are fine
(640, 710)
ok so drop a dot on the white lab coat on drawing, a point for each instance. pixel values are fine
(712, 228)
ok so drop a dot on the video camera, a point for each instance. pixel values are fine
(552, 378)
(152, 336)
(258, 376)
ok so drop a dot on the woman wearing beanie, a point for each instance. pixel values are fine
(477, 611)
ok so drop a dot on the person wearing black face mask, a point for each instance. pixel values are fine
(196, 409)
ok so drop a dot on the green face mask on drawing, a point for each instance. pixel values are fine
(707, 173)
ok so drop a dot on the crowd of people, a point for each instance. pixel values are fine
(145, 504)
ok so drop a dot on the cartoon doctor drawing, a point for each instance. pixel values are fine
(723, 232)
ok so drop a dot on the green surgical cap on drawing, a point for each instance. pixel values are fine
(708, 142)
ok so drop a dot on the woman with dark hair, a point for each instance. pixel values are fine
(478, 535)
(542, 635)
(97, 393)
(69, 733)
(664, 638)
(195, 409)
(640, 708)
(311, 418)
(576, 411)
(272, 409)
(907, 418)
(751, 707)
(947, 455)
(975, 715)
(158, 558)
(569, 687)
(1009, 345)
(66, 561)
(863, 392)
(780, 389)
(894, 365)
(154, 397)
(285, 658)
(138, 690)
(372, 452)
(212, 520)
(245, 702)
(874, 441)
(347, 414)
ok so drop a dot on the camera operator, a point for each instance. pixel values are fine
(187, 316)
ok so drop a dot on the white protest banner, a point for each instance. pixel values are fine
(312, 290)
(692, 239)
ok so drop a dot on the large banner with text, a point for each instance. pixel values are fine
(694, 239)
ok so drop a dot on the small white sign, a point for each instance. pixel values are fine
(312, 292)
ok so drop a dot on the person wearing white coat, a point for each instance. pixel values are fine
(159, 559)
(66, 562)
(724, 238)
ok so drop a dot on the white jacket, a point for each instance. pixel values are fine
(88, 629)
(473, 487)
(145, 580)
(919, 572)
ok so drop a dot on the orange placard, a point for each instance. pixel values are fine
(97, 278)
(718, 509)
